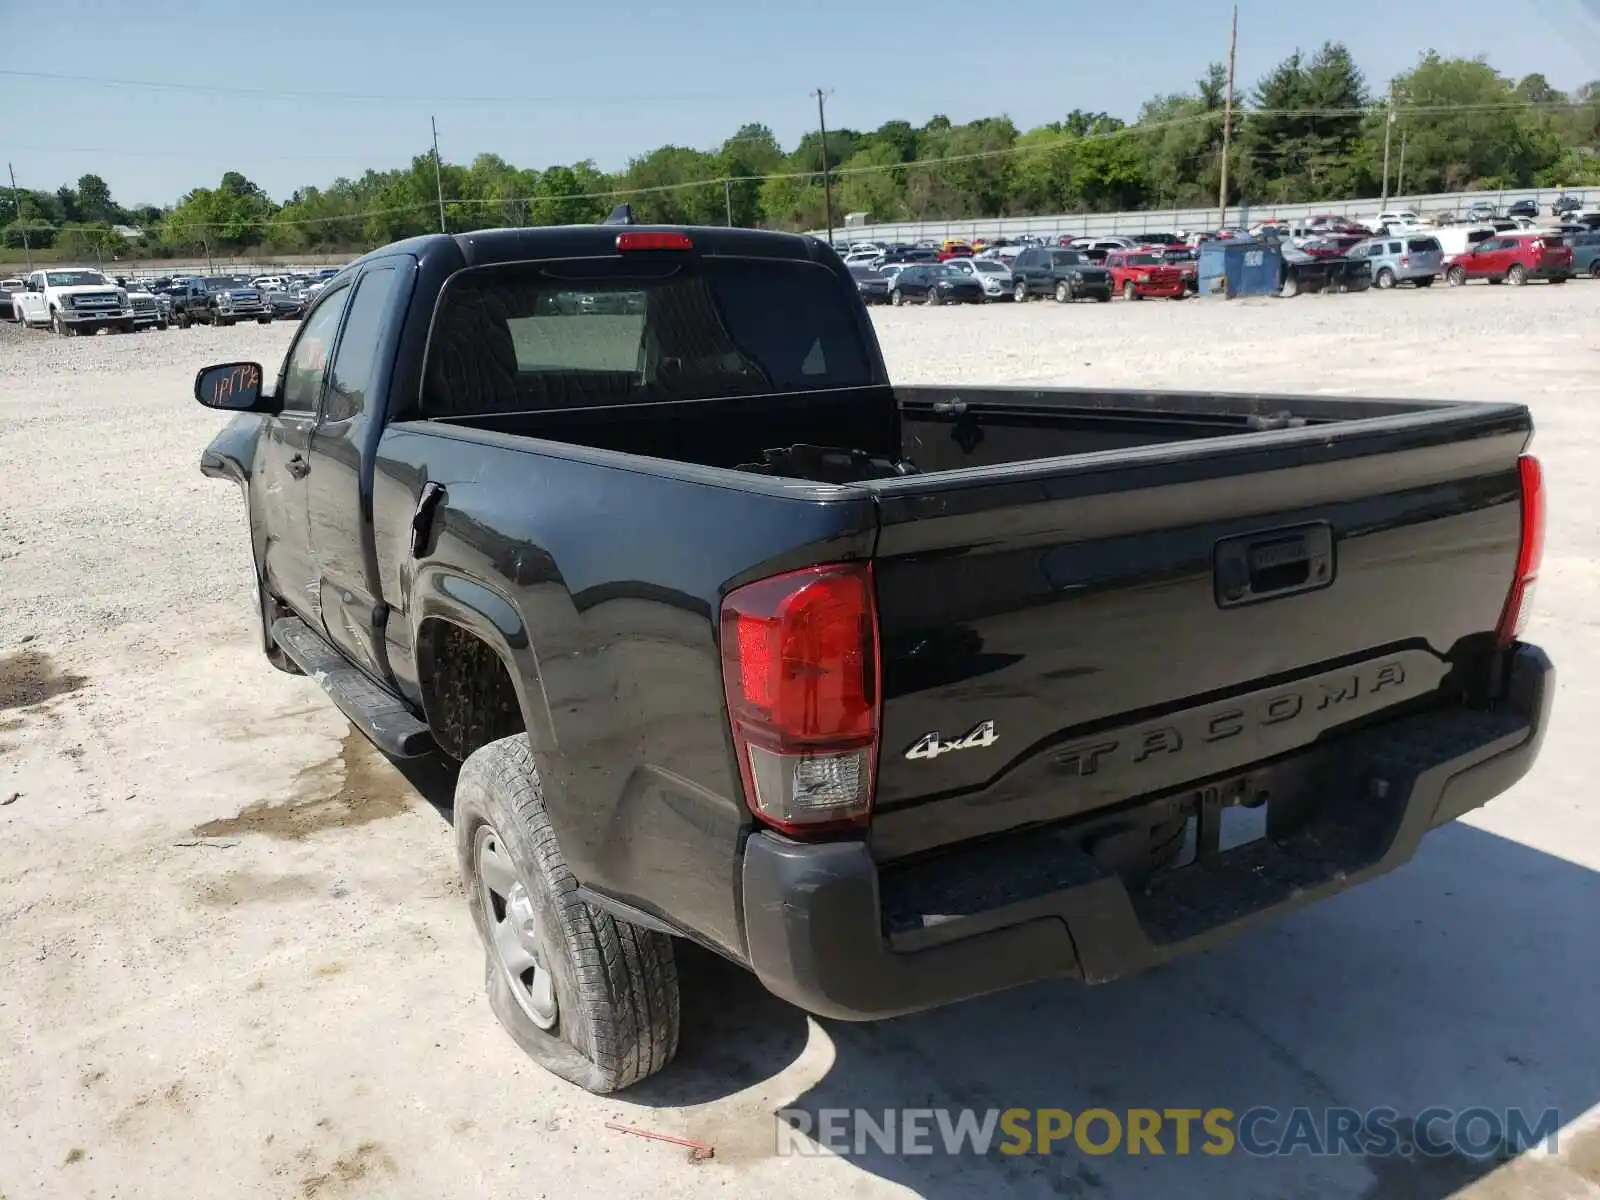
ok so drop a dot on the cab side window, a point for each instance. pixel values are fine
(307, 362)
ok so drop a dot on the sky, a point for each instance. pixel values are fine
(297, 92)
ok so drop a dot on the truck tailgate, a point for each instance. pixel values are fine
(1063, 635)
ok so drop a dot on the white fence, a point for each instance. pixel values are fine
(1174, 219)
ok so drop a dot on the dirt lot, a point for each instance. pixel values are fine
(236, 960)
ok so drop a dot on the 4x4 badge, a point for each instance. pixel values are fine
(978, 737)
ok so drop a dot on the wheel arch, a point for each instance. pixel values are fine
(473, 649)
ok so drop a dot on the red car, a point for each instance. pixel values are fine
(1140, 273)
(1513, 258)
(1331, 245)
(953, 250)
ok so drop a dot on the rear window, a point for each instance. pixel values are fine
(1478, 236)
(533, 336)
(1421, 245)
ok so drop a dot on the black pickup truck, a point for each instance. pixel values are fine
(895, 696)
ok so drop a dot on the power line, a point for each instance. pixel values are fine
(230, 88)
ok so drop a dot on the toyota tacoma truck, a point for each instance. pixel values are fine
(893, 695)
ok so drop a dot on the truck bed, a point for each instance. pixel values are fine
(932, 429)
(1060, 564)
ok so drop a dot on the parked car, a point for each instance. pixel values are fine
(73, 300)
(953, 250)
(1523, 208)
(1064, 274)
(948, 724)
(150, 311)
(934, 283)
(1395, 219)
(994, 277)
(7, 288)
(1482, 210)
(287, 302)
(871, 285)
(1138, 274)
(1564, 204)
(1415, 258)
(1585, 252)
(1513, 258)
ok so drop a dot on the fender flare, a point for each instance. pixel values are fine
(442, 594)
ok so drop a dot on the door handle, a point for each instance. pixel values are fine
(299, 467)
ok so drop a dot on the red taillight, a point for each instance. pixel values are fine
(649, 240)
(800, 671)
(1530, 550)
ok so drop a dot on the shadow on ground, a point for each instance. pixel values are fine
(1465, 979)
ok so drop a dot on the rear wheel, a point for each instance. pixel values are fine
(1456, 276)
(588, 997)
(896, 298)
(1063, 292)
(1129, 291)
(1020, 292)
(933, 297)
(1517, 275)
(1385, 278)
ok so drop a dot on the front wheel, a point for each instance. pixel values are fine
(896, 298)
(62, 329)
(1517, 275)
(1456, 276)
(1020, 292)
(1385, 279)
(1129, 291)
(1063, 292)
(590, 998)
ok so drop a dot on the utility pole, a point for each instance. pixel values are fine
(827, 181)
(727, 198)
(1388, 129)
(1227, 121)
(1400, 184)
(438, 177)
(16, 198)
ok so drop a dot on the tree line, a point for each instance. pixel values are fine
(1311, 129)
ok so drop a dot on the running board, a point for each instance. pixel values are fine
(379, 714)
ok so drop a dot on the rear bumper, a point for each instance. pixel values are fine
(814, 913)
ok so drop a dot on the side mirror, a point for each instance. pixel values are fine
(231, 387)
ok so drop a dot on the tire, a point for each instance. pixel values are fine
(1385, 279)
(183, 319)
(1129, 290)
(1063, 292)
(1517, 275)
(162, 324)
(61, 328)
(1456, 277)
(896, 299)
(1020, 292)
(605, 1015)
(1290, 289)
(933, 300)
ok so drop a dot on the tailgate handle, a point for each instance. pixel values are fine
(1277, 562)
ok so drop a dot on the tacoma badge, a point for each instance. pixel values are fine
(977, 738)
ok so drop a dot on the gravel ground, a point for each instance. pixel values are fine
(238, 963)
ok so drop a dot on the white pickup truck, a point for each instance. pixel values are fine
(73, 300)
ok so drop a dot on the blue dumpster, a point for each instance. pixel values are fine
(1240, 267)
